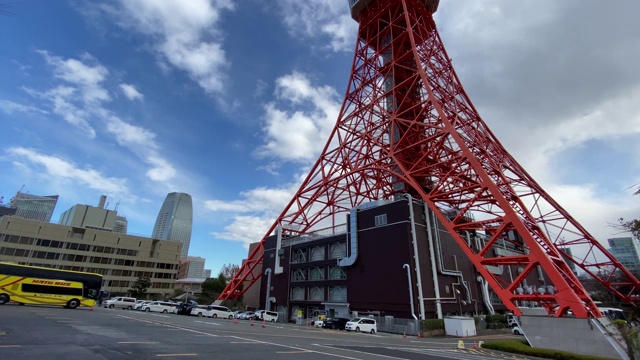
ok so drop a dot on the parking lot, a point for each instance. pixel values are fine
(30, 332)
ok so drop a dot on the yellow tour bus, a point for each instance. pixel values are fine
(44, 286)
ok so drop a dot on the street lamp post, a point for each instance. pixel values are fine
(459, 301)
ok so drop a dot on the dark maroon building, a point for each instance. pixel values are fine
(366, 266)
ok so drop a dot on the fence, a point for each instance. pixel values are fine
(389, 324)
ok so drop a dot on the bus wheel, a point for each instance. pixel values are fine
(4, 298)
(73, 303)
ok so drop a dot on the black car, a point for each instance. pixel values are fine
(334, 323)
(186, 307)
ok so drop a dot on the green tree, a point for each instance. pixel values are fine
(140, 287)
(212, 288)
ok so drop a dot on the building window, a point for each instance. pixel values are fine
(317, 253)
(381, 220)
(316, 273)
(316, 293)
(299, 256)
(336, 273)
(338, 293)
(297, 293)
(337, 250)
(298, 275)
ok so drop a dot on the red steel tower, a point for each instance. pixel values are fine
(407, 126)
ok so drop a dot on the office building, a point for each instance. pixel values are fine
(191, 267)
(121, 225)
(120, 258)
(91, 217)
(627, 251)
(34, 207)
(175, 220)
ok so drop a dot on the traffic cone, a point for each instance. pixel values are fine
(475, 346)
(264, 325)
(91, 309)
(251, 322)
(419, 334)
(404, 335)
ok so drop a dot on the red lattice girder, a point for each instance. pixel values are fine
(406, 125)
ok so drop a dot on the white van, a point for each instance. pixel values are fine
(159, 306)
(220, 312)
(120, 302)
(201, 310)
(264, 315)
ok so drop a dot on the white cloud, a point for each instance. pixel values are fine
(161, 170)
(58, 169)
(129, 135)
(301, 134)
(313, 19)
(11, 107)
(245, 229)
(88, 78)
(131, 92)
(183, 34)
(253, 213)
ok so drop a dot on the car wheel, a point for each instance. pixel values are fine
(273, 320)
(199, 314)
(373, 331)
(358, 329)
(111, 306)
(230, 317)
(147, 309)
(164, 311)
(73, 303)
(215, 316)
(4, 298)
(129, 307)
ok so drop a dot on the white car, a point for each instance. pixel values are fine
(362, 324)
(159, 306)
(140, 304)
(517, 330)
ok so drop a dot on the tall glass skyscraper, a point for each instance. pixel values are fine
(34, 207)
(175, 220)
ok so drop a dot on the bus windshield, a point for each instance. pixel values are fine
(44, 286)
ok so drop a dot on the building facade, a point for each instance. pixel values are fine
(120, 258)
(34, 207)
(627, 251)
(389, 259)
(175, 220)
(191, 267)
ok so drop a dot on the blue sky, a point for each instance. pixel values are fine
(231, 101)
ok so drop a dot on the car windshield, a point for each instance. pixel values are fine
(355, 320)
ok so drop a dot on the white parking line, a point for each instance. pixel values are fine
(207, 322)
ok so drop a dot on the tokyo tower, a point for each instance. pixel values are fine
(407, 126)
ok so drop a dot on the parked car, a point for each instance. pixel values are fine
(186, 307)
(140, 304)
(335, 323)
(120, 302)
(517, 330)
(361, 324)
(222, 312)
(263, 315)
(247, 315)
(159, 306)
